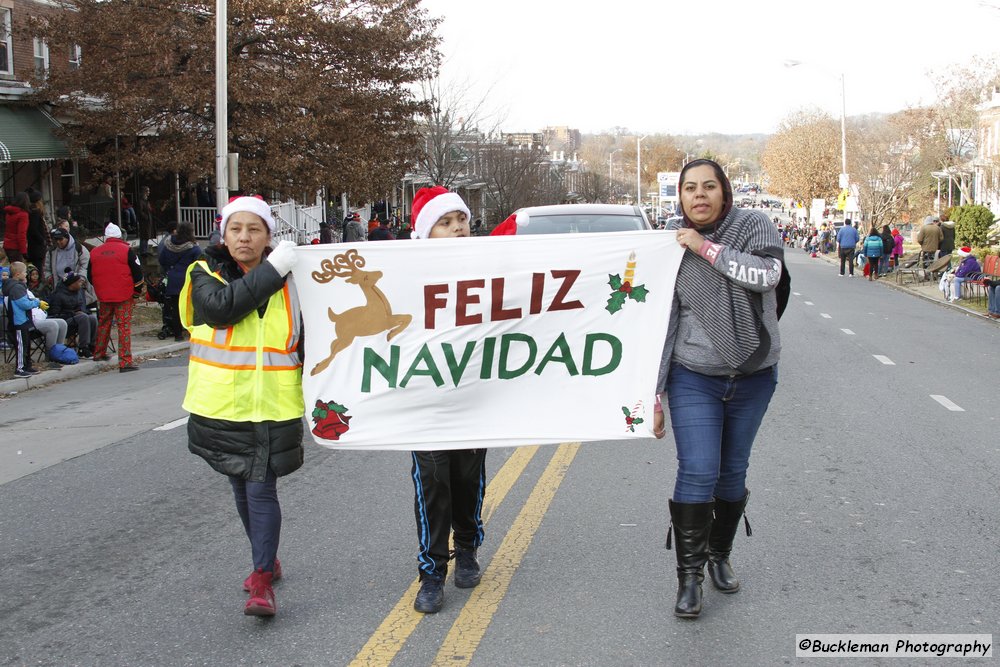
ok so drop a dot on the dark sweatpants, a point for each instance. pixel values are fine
(448, 494)
(847, 255)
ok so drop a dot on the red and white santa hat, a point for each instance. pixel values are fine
(251, 204)
(429, 204)
(964, 251)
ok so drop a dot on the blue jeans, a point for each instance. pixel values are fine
(993, 299)
(714, 421)
(257, 505)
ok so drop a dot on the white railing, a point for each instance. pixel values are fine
(292, 222)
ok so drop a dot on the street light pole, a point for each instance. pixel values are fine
(611, 156)
(221, 106)
(638, 170)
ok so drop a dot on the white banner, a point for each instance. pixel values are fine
(484, 342)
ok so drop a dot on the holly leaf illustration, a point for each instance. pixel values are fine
(615, 302)
(637, 420)
(639, 293)
(319, 414)
(336, 407)
(626, 411)
(614, 281)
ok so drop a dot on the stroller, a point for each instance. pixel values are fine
(155, 293)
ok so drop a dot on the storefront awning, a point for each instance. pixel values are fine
(26, 135)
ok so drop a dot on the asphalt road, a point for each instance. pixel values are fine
(873, 509)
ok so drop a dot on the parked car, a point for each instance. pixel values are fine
(580, 218)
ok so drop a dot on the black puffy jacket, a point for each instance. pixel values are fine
(240, 449)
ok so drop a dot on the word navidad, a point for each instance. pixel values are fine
(504, 357)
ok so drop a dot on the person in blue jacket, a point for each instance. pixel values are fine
(847, 240)
(177, 253)
(872, 250)
(15, 289)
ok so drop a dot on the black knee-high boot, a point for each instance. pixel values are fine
(691, 524)
(720, 542)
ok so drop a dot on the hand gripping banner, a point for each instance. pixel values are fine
(484, 342)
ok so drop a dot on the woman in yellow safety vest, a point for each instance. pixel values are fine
(244, 377)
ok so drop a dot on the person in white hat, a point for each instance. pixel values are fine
(246, 416)
(116, 275)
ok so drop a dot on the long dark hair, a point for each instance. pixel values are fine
(720, 175)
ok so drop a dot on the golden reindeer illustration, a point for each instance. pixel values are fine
(374, 317)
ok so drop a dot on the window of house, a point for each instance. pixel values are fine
(41, 58)
(75, 56)
(6, 46)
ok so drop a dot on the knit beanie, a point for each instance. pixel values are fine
(112, 231)
(429, 204)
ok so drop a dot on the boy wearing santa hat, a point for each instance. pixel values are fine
(968, 266)
(448, 485)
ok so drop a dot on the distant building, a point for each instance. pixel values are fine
(527, 139)
(987, 161)
(562, 138)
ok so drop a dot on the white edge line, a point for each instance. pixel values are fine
(848, 332)
(884, 359)
(943, 400)
(826, 315)
(171, 425)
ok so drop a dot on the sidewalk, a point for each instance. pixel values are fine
(925, 290)
(145, 345)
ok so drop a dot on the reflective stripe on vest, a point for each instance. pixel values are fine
(249, 371)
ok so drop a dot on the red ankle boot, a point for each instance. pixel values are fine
(275, 577)
(261, 602)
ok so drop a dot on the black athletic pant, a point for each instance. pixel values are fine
(847, 255)
(448, 494)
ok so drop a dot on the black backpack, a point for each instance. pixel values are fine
(783, 290)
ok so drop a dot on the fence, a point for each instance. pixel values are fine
(292, 222)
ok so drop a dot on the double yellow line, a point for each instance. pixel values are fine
(467, 631)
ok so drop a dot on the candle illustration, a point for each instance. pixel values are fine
(630, 269)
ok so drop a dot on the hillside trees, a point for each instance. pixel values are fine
(318, 89)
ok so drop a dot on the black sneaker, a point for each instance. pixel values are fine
(430, 597)
(128, 369)
(467, 572)
(23, 374)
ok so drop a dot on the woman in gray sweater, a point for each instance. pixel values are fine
(718, 371)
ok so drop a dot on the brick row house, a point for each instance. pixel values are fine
(31, 153)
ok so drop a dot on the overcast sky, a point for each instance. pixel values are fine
(697, 67)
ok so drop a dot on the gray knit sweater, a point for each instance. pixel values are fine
(687, 342)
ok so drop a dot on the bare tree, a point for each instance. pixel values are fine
(802, 159)
(513, 177)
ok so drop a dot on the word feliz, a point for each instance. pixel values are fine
(497, 361)
(466, 296)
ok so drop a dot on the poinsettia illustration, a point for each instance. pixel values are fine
(331, 420)
(631, 421)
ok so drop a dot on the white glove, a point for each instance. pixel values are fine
(283, 257)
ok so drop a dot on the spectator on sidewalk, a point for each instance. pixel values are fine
(992, 297)
(116, 275)
(53, 328)
(847, 241)
(947, 238)
(354, 231)
(38, 236)
(888, 243)
(405, 234)
(15, 290)
(873, 250)
(235, 299)
(968, 267)
(929, 237)
(325, 233)
(69, 302)
(67, 256)
(215, 238)
(15, 235)
(381, 233)
(144, 213)
(897, 246)
(35, 284)
(177, 253)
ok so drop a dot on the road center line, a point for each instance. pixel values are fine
(884, 359)
(808, 303)
(848, 332)
(172, 425)
(943, 400)
(389, 638)
(825, 316)
(797, 293)
(470, 626)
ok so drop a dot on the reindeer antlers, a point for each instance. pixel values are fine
(342, 265)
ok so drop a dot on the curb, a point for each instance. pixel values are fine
(85, 367)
